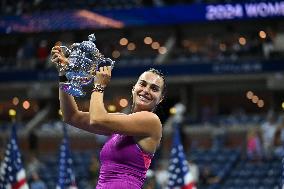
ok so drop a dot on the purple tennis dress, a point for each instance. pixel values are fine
(123, 164)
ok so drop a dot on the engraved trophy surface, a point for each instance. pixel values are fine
(83, 59)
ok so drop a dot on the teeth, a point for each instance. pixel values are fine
(142, 98)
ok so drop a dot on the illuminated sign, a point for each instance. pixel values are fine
(247, 10)
(119, 18)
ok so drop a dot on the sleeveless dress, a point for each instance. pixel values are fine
(123, 164)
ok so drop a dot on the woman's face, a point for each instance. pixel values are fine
(147, 92)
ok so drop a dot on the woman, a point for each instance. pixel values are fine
(134, 138)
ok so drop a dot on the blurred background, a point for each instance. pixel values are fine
(223, 60)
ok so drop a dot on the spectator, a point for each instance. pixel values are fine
(150, 180)
(194, 170)
(208, 177)
(162, 175)
(254, 151)
(268, 44)
(268, 130)
(42, 54)
(279, 139)
(33, 166)
(36, 182)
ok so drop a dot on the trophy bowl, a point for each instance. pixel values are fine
(84, 58)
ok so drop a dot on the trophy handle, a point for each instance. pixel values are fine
(92, 37)
(66, 51)
(106, 62)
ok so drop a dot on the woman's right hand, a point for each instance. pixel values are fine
(59, 59)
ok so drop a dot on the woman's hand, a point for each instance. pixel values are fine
(59, 59)
(103, 75)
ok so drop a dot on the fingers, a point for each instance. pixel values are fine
(56, 49)
(59, 59)
(103, 75)
(105, 70)
(109, 70)
(101, 70)
(56, 58)
(57, 55)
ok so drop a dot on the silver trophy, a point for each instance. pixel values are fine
(84, 58)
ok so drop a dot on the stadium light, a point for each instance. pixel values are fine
(242, 40)
(249, 94)
(123, 102)
(26, 105)
(59, 112)
(111, 108)
(123, 41)
(148, 40)
(155, 45)
(162, 50)
(131, 46)
(115, 54)
(262, 34)
(15, 101)
(260, 103)
(12, 112)
(173, 111)
(255, 99)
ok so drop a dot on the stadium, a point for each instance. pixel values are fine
(224, 102)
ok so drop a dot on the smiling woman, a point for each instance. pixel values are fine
(148, 92)
(133, 138)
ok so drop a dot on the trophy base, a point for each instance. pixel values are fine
(72, 89)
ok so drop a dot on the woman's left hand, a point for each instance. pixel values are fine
(103, 75)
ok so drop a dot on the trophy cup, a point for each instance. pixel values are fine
(84, 58)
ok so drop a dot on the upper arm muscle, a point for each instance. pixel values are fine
(136, 124)
(81, 120)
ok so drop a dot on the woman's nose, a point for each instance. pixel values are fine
(146, 89)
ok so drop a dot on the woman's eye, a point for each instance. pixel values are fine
(155, 89)
(142, 84)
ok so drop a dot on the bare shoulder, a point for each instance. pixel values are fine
(147, 115)
(151, 119)
(117, 113)
(143, 124)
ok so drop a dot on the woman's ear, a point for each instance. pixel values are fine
(133, 87)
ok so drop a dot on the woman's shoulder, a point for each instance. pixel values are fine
(118, 113)
(148, 113)
(153, 118)
(148, 120)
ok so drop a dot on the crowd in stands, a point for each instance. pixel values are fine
(216, 167)
(209, 168)
(32, 6)
(33, 53)
(231, 47)
(268, 140)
